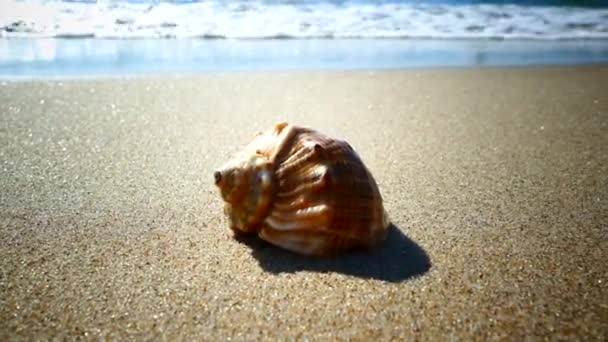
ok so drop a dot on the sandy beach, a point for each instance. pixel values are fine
(495, 179)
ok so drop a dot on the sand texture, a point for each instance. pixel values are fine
(496, 182)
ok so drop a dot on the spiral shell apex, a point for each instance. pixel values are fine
(303, 191)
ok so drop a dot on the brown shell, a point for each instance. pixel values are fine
(303, 191)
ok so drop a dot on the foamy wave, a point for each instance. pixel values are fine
(261, 20)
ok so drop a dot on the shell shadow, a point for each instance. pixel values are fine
(397, 259)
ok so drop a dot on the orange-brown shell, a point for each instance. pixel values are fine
(303, 191)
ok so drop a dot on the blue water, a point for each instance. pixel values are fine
(74, 57)
(110, 37)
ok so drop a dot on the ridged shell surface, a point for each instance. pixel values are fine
(321, 199)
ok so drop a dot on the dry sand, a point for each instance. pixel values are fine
(495, 180)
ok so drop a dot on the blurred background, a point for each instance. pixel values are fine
(40, 37)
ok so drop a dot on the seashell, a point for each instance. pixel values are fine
(303, 191)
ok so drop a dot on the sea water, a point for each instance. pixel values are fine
(52, 37)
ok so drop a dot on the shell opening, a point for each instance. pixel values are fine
(246, 184)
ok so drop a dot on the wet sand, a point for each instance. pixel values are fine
(495, 181)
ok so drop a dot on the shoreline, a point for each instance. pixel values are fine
(54, 57)
(176, 76)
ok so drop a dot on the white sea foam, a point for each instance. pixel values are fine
(257, 19)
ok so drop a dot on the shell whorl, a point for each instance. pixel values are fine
(322, 199)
